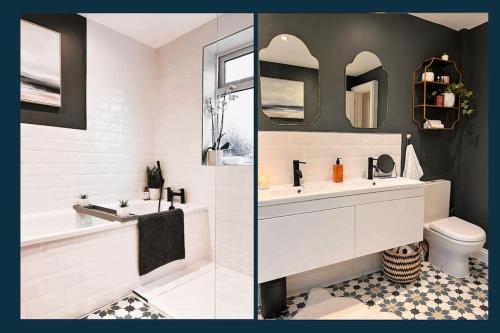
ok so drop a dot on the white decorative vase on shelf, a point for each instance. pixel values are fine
(154, 193)
(428, 76)
(449, 99)
(122, 211)
(215, 157)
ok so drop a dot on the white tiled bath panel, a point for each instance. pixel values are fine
(70, 277)
(319, 150)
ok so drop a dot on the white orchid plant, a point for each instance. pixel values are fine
(216, 110)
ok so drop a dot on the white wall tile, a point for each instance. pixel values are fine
(107, 161)
(319, 151)
(227, 191)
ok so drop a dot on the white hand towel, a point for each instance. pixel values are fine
(412, 170)
(428, 124)
(434, 122)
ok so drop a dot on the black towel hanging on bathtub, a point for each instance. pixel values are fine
(161, 239)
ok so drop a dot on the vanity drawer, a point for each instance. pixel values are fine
(297, 243)
(385, 225)
(284, 209)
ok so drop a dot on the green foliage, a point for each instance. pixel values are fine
(154, 177)
(123, 203)
(465, 95)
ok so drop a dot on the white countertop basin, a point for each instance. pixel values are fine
(280, 194)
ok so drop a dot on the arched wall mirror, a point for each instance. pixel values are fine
(289, 82)
(366, 83)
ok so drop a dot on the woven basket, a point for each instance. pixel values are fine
(401, 268)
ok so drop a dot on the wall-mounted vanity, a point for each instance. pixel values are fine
(327, 223)
(323, 223)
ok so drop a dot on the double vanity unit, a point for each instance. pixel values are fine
(323, 223)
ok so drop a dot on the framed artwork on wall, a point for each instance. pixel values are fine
(40, 65)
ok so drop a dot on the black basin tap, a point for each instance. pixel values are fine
(297, 174)
(371, 167)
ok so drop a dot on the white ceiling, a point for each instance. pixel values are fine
(456, 21)
(288, 49)
(365, 61)
(154, 29)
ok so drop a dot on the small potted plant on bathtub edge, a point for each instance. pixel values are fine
(122, 210)
(84, 200)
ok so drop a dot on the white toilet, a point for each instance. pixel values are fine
(451, 240)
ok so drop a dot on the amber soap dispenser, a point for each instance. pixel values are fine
(338, 171)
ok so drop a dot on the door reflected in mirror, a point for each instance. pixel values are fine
(289, 81)
(366, 83)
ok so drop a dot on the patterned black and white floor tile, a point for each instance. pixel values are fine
(130, 307)
(436, 295)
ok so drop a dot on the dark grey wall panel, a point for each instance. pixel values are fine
(471, 168)
(401, 42)
(73, 110)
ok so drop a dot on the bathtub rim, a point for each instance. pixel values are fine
(109, 225)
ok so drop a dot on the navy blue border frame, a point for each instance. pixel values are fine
(10, 135)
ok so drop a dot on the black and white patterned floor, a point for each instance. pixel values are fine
(130, 307)
(436, 295)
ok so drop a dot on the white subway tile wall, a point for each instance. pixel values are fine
(227, 191)
(319, 150)
(108, 160)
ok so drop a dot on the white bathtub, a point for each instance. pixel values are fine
(49, 226)
(71, 266)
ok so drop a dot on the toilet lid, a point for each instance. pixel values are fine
(459, 230)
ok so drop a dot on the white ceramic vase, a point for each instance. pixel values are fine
(154, 193)
(122, 211)
(449, 99)
(428, 76)
(215, 157)
(83, 202)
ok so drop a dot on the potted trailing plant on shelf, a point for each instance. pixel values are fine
(428, 74)
(216, 109)
(84, 200)
(465, 95)
(154, 182)
(122, 210)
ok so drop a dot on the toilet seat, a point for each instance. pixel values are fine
(458, 229)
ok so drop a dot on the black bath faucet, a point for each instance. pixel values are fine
(171, 194)
(297, 174)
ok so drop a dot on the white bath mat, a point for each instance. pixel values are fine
(321, 305)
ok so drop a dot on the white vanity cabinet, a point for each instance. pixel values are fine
(305, 232)
(328, 237)
(388, 224)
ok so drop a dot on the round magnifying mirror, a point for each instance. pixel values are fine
(385, 163)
